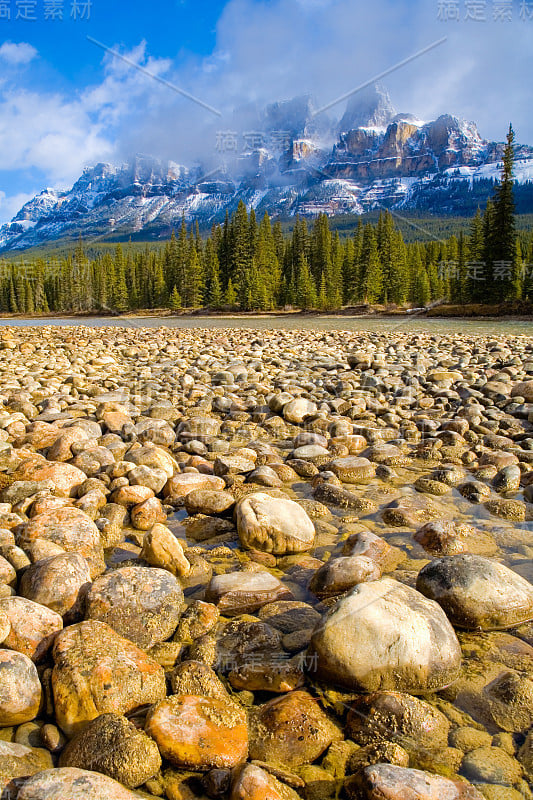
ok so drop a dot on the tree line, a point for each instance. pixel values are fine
(250, 265)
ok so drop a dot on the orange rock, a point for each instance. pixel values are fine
(65, 477)
(199, 733)
(33, 627)
(131, 495)
(97, 672)
(180, 485)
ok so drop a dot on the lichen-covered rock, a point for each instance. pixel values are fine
(59, 583)
(291, 730)
(273, 524)
(385, 636)
(19, 761)
(143, 604)
(112, 745)
(476, 592)
(69, 528)
(397, 717)
(65, 478)
(96, 672)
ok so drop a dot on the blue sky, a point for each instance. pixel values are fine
(65, 103)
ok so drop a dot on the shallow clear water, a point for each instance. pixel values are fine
(484, 327)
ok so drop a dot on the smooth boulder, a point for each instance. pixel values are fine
(477, 593)
(273, 524)
(385, 636)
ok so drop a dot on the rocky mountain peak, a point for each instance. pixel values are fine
(369, 108)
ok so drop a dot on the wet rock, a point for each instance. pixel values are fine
(452, 538)
(510, 699)
(197, 620)
(408, 721)
(245, 592)
(112, 745)
(370, 640)
(291, 730)
(507, 479)
(142, 604)
(476, 592)
(145, 515)
(298, 410)
(269, 675)
(179, 486)
(196, 678)
(339, 575)
(289, 616)
(410, 511)
(96, 672)
(330, 494)
(199, 733)
(273, 524)
(491, 765)
(60, 583)
(204, 501)
(353, 469)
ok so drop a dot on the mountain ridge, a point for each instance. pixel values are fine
(391, 161)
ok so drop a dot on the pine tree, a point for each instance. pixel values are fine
(503, 237)
(422, 289)
(371, 269)
(230, 296)
(175, 299)
(306, 289)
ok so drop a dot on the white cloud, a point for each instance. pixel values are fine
(266, 52)
(11, 204)
(17, 54)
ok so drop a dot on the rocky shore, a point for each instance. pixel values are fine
(271, 565)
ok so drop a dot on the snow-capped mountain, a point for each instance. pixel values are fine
(296, 161)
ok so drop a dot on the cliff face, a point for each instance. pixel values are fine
(382, 159)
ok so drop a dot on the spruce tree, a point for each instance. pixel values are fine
(503, 237)
(371, 269)
(175, 299)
